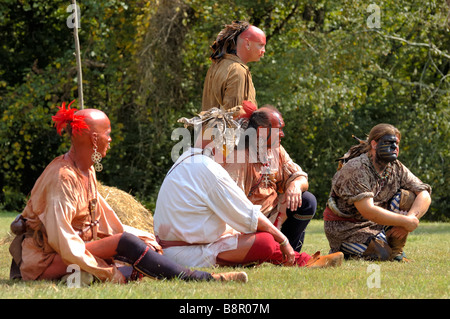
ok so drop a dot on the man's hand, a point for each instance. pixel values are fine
(151, 242)
(293, 195)
(288, 254)
(411, 223)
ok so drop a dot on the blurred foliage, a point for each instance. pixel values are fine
(144, 62)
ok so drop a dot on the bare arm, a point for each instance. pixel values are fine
(421, 204)
(381, 216)
(293, 197)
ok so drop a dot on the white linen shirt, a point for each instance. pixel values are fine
(198, 200)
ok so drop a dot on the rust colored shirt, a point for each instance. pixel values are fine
(262, 183)
(227, 84)
(58, 221)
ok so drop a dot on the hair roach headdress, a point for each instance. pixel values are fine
(67, 116)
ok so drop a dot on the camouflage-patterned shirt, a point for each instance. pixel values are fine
(358, 179)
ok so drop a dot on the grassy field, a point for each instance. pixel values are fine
(427, 277)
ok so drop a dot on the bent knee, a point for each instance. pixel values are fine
(265, 243)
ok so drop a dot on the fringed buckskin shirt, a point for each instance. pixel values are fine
(249, 176)
(227, 84)
(56, 213)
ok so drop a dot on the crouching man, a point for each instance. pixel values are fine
(375, 200)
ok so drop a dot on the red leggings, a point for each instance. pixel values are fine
(266, 249)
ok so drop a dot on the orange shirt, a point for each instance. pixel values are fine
(264, 187)
(59, 208)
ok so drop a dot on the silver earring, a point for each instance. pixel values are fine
(96, 158)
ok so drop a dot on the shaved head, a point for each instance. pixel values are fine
(254, 34)
(95, 119)
(251, 44)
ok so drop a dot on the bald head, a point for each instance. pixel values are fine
(95, 137)
(254, 34)
(96, 120)
(251, 44)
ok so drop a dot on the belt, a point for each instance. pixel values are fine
(172, 243)
(330, 215)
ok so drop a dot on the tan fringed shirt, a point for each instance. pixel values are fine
(228, 82)
(58, 207)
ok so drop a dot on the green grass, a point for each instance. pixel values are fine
(426, 277)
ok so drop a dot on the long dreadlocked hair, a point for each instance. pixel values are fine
(227, 38)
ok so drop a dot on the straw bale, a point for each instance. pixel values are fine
(127, 208)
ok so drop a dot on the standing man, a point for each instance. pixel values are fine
(229, 81)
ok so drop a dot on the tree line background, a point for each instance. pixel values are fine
(328, 71)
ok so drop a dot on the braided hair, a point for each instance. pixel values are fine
(227, 39)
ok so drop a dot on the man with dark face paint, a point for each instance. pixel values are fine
(375, 201)
(387, 149)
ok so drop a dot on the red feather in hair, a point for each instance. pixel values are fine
(66, 116)
(249, 108)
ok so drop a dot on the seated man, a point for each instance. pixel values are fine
(66, 221)
(202, 218)
(271, 178)
(375, 201)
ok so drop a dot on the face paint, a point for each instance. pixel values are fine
(275, 132)
(255, 47)
(254, 34)
(387, 148)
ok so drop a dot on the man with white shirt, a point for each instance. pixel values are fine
(202, 218)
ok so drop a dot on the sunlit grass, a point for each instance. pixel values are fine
(426, 277)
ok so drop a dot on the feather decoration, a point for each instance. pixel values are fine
(248, 108)
(67, 116)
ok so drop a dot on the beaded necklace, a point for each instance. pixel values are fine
(381, 178)
(268, 169)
